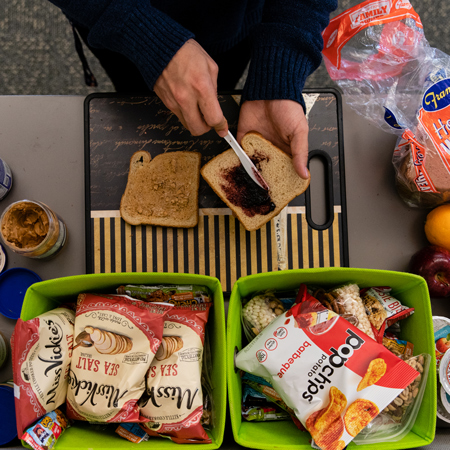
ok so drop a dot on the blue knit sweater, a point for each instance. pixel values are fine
(285, 34)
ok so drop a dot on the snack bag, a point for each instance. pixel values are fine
(173, 404)
(116, 339)
(378, 55)
(44, 434)
(179, 295)
(334, 377)
(383, 309)
(41, 356)
(132, 432)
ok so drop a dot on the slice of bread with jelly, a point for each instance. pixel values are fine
(163, 190)
(248, 202)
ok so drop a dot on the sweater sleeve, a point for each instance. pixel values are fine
(146, 36)
(286, 48)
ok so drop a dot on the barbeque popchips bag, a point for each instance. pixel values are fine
(116, 338)
(174, 402)
(41, 355)
(334, 377)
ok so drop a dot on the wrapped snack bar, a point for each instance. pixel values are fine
(334, 377)
(44, 434)
(183, 294)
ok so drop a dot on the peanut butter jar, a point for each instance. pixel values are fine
(32, 229)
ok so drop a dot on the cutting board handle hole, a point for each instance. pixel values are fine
(319, 195)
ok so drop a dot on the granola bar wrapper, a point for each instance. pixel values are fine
(178, 295)
(116, 339)
(334, 377)
(173, 404)
(41, 355)
(44, 434)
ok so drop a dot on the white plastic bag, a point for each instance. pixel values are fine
(378, 55)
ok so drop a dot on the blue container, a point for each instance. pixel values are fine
(13, 285)
(8, 428)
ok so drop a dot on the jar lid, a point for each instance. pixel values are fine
(444, 371)
(7, 415)
(13, 286)
(2, 258)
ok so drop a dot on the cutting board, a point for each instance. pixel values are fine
(116, 126)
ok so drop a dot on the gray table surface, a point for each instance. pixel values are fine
(42, 140)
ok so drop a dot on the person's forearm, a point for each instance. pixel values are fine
(286, 48)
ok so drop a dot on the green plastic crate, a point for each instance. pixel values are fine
(47, 295)
(410, 289)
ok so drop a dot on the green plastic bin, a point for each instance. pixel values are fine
(410, 289)
(47, 295)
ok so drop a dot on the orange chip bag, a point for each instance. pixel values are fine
(334, 376)
(173, 403)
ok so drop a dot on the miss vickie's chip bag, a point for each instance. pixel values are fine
(335, 377)
(41, 356)
(174, 401)
(116, 339)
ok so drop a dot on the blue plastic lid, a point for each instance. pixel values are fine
(13, 285)
(8, 425)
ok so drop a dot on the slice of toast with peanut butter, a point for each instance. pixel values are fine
(163, 190)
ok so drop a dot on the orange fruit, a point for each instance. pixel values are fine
(437, 226)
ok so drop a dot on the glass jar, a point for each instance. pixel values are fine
(32, 229)
(5, 179)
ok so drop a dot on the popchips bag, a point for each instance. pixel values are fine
(41, 355)
(116, 338)
(174, 400)
(334, 377)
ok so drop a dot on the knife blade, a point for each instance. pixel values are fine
(246, 162)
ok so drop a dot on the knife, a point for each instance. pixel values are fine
(246, 162)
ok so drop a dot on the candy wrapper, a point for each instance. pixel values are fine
(399, 347)
(44, 434)
(334, 377)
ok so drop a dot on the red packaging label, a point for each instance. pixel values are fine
(371, 12)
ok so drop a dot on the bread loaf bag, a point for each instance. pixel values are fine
(116, 338)
(41, 355)
(174, 402)
(378, 55)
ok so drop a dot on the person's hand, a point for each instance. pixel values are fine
(188, 87)
(283, 123)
